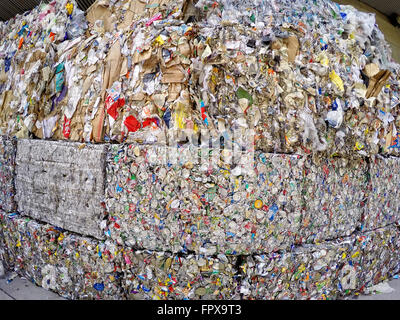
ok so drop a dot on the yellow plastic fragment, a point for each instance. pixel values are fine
(336, 80)
(70, 8)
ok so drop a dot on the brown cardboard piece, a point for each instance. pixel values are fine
(3, 76)
(128, 17)
(98, 124)
(150, 65)
(77, 123)
(112, 68)
(389, 138)
(86, 85)
(142, 8)
(173, 91)
(277, 44)
(184, 47)
(142, 56)
(376, 83)
(292, 43)
(371, 69)
(100, 11)
(139, 8)
(175, 74)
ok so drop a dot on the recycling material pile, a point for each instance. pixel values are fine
(306, 76)
(245, 149)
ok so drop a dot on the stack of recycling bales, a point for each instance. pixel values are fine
(246, 149)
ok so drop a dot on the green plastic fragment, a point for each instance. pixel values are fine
(241, 93)
(253, 18)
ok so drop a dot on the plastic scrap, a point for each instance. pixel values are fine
(382, 287)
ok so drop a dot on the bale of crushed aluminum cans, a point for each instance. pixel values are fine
(81, 268)
(62, 184)
(334, 196)
(76, 267)
(383, 195)
(266, 204)
(7, 171)
(329, 270)
(203, 206)
(325, 271)
(163, 275)
(379, 251)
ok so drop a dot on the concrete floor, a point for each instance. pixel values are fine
(395, 295)
(21, 289)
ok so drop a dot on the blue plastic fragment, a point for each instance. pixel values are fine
(98, 286)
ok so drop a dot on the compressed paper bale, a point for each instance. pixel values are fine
(62, 183)
(299, 96)
(7, 171)
(303, 86)
(383, 195)
(162, 275)
(326, 271)
(334, 197)
(379, 251)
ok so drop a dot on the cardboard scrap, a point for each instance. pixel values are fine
(376, 83)
(292, 43)
(99, 11)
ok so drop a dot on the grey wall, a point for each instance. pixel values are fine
(387, 7)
